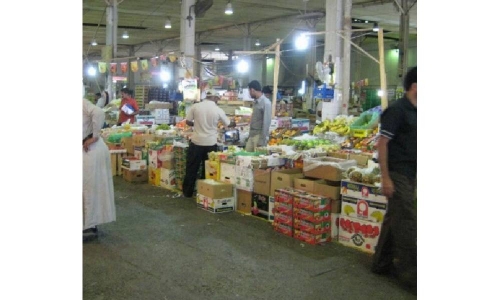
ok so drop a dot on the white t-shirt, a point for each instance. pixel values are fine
(206, 116)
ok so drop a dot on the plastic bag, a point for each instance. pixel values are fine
(367, 120)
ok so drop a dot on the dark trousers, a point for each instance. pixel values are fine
(196, 156)
(397, 244)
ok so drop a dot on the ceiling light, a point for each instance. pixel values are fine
(375, 27)
(366, 21)
(229, 8)
(168, 24)
(125, 35)
(257, 42)
(217, 48)
(94, 42)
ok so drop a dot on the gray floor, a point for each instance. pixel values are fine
(164, 247)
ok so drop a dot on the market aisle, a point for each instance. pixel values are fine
(162, 247)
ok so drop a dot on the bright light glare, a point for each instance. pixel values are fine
(242, 66)
(91, 71)
(302, 90)
(380, 93)
(301, 42)
(164, 76)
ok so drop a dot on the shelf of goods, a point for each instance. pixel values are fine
(141, 95)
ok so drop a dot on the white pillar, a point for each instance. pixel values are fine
(346, 82)
(187, 38)
(111, 34)
(330, 28)
(404, 25)
(339, 63)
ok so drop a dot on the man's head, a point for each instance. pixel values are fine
(267, 91)
(410, 83)
(97, 96)
(126, 93)
(254, 89)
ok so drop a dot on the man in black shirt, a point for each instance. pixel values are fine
(397, 153)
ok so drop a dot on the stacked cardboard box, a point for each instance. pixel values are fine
(362, 214)
(180, 154)
(214, 196)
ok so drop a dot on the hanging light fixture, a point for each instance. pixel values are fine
(125, 35)
(229, 8)
(257, 42)
(94, 42)
(168, 24)
(217, 48)
(375, 27)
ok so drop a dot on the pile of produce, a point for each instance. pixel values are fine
(367, 144)
(340, 125)
(364, 175)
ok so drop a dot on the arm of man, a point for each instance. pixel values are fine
(190, 116)
(136, 108)
(98, 117)
(267, 123)
(227, 122)
(389, 126)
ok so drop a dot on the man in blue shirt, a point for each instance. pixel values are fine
(261, 118)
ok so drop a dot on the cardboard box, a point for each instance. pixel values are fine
(158, 105)
(215, 205)
(364, 209)
(262, 182)
(284, 178)
(116, 161)
(315, 217)
(305, 184)
(227, 173)
(283, 208)
(313, 203)
(139, 140)
(335, 226)
(313, 227)
(212, 170)
(282, 228)
(214, 189)
(330, 189)
(359, 234)
(286, 195)
(361, 191)
(133, 163)
(167, 178)
(168, 164)
(154, 176)
(243, 201)
(328, 168)
(283, 219)
(261, 206)
(135, 176)
(361, 159)
(141, 153)
(302, 124)
(310, 238)
(127, 143)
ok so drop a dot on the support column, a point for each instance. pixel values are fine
(404, 26)
(111, 33)
(130, 74)
(197, 67)
(330, 28)
(339, 64)
(187, 38)
(346, 82)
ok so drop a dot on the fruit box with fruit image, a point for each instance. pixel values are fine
(359, 234)
(363, 209)
(361, 191)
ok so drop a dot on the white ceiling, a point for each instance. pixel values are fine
(145, 19)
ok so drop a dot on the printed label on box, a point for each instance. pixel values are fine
(359, 234)
(362, 191)
(363, 209)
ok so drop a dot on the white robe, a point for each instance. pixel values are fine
(98, 189)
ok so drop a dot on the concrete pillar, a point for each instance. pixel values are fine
(339, 59)
(197, 68)
(111, 34)
(346, 82)
(404, 26)
(187, 38)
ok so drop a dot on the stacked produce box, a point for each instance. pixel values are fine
(214, 196)
(363, 209)
(180, 154)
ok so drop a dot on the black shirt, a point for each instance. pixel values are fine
(399, 123)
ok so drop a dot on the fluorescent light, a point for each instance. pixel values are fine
(217, 48)
(375, 27)
(125, 35)
(229, 8)
(242, 66)
(91, 71)
(168, 24)
(302, 42)
(94, 42)
(257, 42)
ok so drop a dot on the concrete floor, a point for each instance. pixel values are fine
(163, 247)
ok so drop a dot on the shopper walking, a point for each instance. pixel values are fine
(204, 117)
(261, 118)
(396, 251)
(98, 189)
(128, 107)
